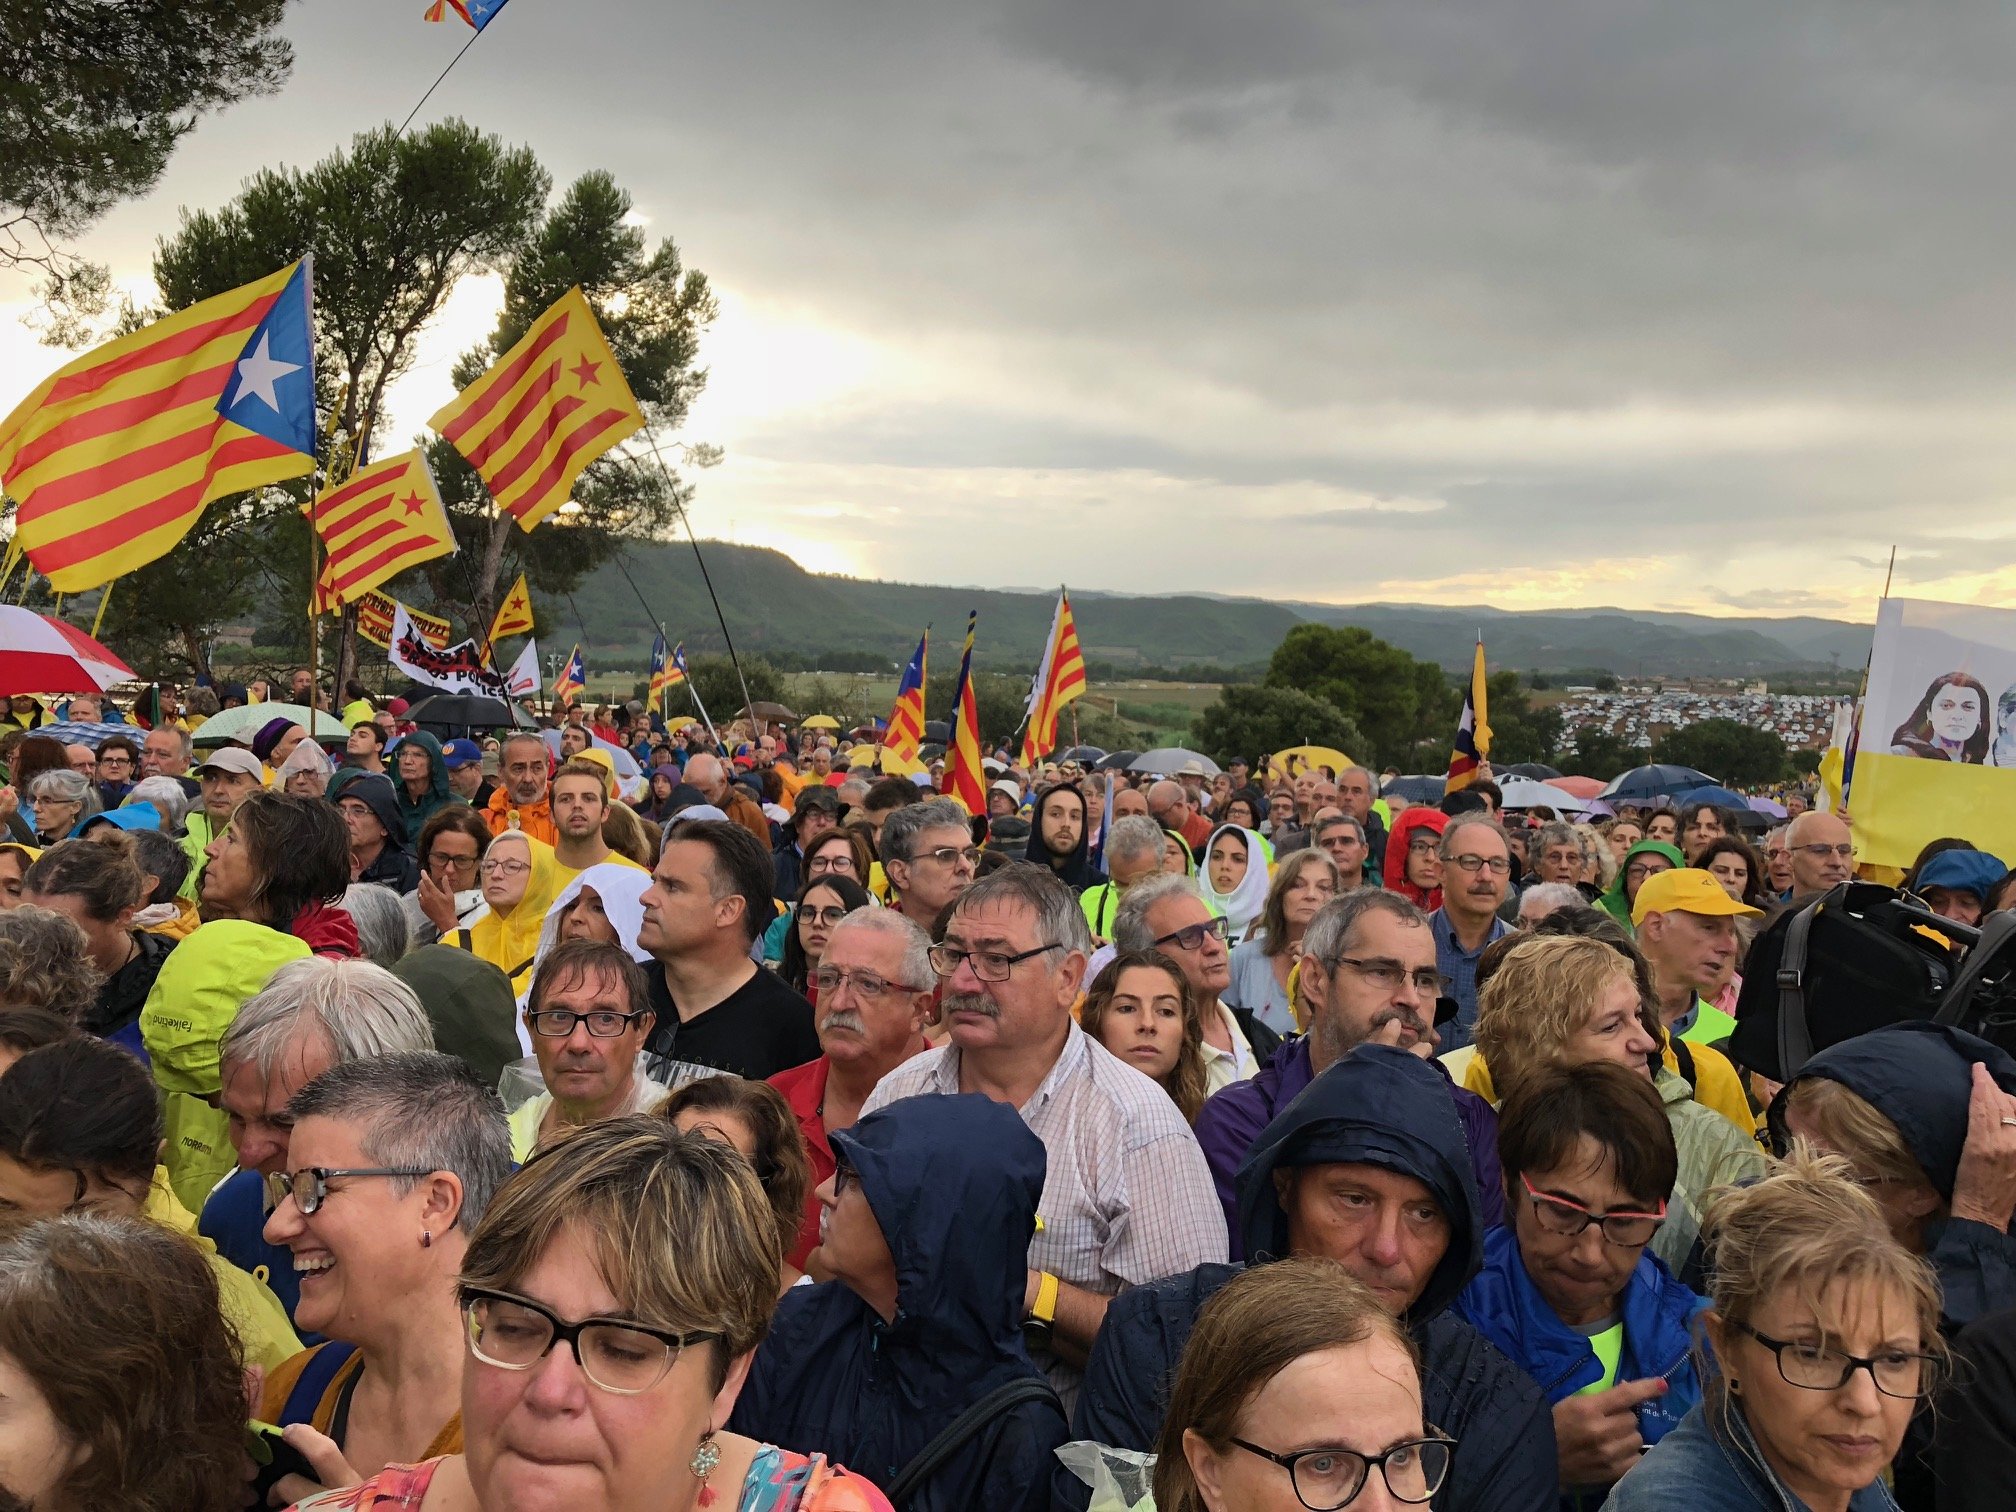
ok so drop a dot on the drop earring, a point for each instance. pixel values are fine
(705, 1457)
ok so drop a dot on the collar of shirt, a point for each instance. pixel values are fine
(1445, 935)
(945, 1076)
(1241, 1053)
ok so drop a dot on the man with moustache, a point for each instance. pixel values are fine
(1476, 876)
(1368, 976)
(875, 995)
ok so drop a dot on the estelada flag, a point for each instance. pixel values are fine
(376, 612)
(113, 458)
(514, 615)
(478, 13)
(386, 518)
(550, 406)
(1473, 730)
(905, 731)
(572, 680)
(1060, 677)
(668, 670)
(964, 778)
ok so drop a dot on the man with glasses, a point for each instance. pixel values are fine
(876, 993)
(1343, 838)
(1168, 914)
(1823, 854)
(708, 902)
(1476, 875)
(588, 1015)
(1128, 1195)
(929, 856)
(1368, 975)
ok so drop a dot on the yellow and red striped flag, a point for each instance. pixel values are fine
(550, 406)
(114, 457)
(1060, 677)
(514, 615)
(388, 517)
(905, 733)
(965, 780)
(375, 611)
(1472, 747)
(572, 680)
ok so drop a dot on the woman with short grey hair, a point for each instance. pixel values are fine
(390, 1165)
(167, 798)
(62, 799)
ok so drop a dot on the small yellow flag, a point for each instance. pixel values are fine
(514, 615)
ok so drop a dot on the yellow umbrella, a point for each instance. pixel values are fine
(1308, 755)
(819, 722)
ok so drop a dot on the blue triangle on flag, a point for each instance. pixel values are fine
(272, 386)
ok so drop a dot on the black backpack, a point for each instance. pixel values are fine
(1861, 957)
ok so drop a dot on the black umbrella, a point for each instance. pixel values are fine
(1416, 789)
(1117, 761)
(1539, 771)
(938, 730)
(1083, 755)
(460, 713)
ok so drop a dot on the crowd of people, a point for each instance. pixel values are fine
(599, 1116)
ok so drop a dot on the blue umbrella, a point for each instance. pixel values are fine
(72, 732)
(1644, 784)
(1415, 789)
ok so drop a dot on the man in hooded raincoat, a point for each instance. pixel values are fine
(952, 1182)
(1377, 1114)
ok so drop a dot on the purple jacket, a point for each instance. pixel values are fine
(1231, 1120)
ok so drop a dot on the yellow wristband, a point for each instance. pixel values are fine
(1045, 1310)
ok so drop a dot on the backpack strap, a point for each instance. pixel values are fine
(1795, 1040)
(1683, 1057)
(314, 1381)
(934, 1455)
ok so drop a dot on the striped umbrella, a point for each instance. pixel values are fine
(43, 655)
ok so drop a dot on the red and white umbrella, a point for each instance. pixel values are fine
(43, 655)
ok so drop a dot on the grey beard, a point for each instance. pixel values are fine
(842, 1018)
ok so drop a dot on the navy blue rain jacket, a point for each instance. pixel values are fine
(1920, 1076)
(1377, 1106)
(954, 1183)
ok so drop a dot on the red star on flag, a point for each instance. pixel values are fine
(586, 371)
(414, 504)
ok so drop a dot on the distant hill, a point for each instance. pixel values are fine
(774, 606)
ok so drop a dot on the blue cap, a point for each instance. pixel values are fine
(1966, 871)
(461, 753)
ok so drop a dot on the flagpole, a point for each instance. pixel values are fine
(705, 577)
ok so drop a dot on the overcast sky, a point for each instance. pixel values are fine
(1563, 302)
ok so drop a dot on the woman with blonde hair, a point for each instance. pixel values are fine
(1297, 1389)
(1565, 1000)
(1141, 1007)
(1822, 1336)
(612, 1298)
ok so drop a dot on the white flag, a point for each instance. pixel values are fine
(460, 668)
(522, 681)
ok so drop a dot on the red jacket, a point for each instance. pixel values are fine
(804, 1088)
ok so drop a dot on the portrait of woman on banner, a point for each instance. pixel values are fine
(2003, 753)
(1949, 724)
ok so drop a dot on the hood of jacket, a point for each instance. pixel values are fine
(125, 991)
(1503, 1304)
(510, 940)
(1074, 869)
(1918, 1075)
(199, 989)
(1243, 905)
(1428, 899)
(437, 793)
(1378, 1106)
(377, 794)
(468, 1001)
(1613, 901)
(954, 1183)
(620, 889)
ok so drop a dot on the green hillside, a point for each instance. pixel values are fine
(777, 608)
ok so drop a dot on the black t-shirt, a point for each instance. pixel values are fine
(759, 1029)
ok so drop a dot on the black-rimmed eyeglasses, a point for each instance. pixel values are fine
(988, 965)
(618, 1355)
(603, 1023)
(1327, 1479)
(1897, 1373)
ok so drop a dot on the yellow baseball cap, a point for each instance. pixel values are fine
(1687, 889)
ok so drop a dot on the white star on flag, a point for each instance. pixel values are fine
(259, 372)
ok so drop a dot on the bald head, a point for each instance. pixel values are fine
(706, 773)
(1822, 852)
(1168, 804)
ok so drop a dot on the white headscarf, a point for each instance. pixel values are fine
(1242, 906)
(621, 891)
